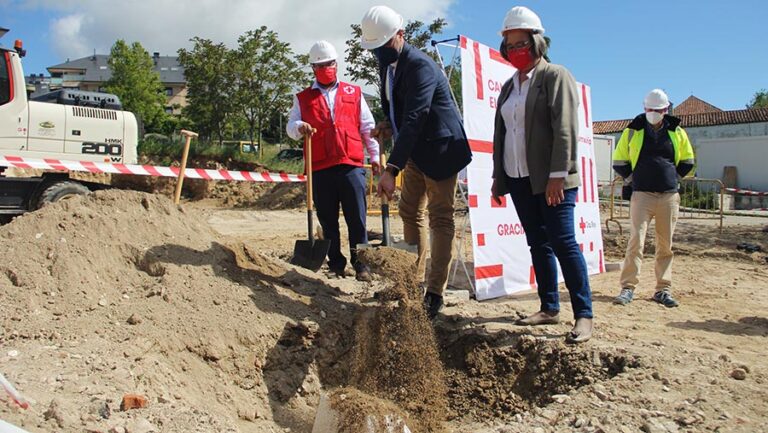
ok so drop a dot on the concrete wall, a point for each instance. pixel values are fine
(744, 146)
(748, 154)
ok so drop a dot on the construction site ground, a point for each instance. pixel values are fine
(197, 309)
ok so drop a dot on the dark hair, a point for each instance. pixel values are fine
(539, 45)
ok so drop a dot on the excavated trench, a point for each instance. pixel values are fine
(432, 371)
(467, 374)
(501, 374)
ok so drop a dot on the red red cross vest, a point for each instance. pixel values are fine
(337, 140)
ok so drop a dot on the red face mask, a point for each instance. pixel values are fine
(325, 75)
(520, 58)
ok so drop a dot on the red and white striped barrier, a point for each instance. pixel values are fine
(746, 192)
(147, 170)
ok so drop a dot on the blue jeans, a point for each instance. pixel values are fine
(343, 185)
(550, 234)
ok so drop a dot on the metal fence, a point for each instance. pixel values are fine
(700, 199)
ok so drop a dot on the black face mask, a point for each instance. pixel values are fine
(386, 55)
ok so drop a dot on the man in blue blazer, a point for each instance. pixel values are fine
(430, 144)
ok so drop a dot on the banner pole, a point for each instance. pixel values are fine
(434, 44)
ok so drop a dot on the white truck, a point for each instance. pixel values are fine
(71, 125)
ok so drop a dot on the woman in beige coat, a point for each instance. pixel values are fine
(535, 142)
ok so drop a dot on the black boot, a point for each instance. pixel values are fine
(432, 304)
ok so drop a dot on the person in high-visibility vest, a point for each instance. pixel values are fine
(655, 153)
(343, 124)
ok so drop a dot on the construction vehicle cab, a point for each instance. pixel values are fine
(66, 125)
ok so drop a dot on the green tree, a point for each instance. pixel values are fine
(208, 71)
(760, 100)
(265, 75)
(362, 66)
(137, 84)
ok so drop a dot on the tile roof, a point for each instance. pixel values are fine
(693, 105)
(97, 68)
(733, 117)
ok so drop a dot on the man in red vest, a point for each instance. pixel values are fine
(343, 123)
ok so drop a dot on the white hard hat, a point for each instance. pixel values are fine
(322, 51)
(520, 17)
(378, 26)
(656, 99)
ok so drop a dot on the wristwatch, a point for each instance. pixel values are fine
(391, 169)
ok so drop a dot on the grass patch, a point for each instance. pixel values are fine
(164, 151)
(273, 163)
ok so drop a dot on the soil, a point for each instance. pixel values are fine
(196, 309)
(396, 358)
(357, 411)
(397, 266)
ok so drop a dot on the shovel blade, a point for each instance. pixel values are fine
(310, 254)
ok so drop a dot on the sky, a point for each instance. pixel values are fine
(714, 50)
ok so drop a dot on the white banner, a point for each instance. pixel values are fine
(501, 256)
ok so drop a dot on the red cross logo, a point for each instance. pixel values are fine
(349, 90)
(582, 225)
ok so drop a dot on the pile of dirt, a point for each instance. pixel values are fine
(395, 356)
(259, 195)
(282, 196)
(193, 189)
(360, 412)
(398, 267)
(122, 292)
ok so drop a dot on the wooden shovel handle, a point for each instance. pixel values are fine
(185, 154)
(308, 157)
(383, 166)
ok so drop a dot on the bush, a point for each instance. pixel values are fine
(693, 196)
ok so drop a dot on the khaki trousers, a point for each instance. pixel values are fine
(644, 206)
(420, 195)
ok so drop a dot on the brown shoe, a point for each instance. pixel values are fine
(581, 332)
(540, 318)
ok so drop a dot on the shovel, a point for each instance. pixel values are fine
(311, 253)
(386, 233)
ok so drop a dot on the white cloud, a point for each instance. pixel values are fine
(65, 32)
(166, 25)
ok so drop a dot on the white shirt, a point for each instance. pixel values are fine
(513, 113)
(367, 122)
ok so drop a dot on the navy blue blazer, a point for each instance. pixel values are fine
(430, 130)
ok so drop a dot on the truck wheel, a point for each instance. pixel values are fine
(61, 191)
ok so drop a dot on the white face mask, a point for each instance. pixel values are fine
(653, 117)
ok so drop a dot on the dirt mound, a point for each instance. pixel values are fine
(396, 358)
(358, 409)
(395, 354)
(122, 292)
(397, 266)
(259, 195)
(282, 196)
